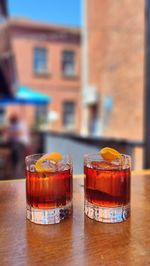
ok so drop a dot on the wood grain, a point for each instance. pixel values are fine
(78, 240)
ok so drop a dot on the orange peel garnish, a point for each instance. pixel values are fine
(54, 157)
(109, 154)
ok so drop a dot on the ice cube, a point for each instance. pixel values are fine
(31, 168)
(104, 165)
(49, 165)
(62, 166)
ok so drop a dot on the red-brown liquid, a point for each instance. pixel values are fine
(48, 190)
(107, 187)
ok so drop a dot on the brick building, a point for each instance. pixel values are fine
(48, 61)
(113, 72)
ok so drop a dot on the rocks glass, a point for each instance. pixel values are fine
(48, 189)
(107, 188)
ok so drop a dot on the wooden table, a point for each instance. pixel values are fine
(78, 240)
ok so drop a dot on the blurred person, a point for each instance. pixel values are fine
(18, 137)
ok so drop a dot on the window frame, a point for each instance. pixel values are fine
(64, 73)
(67, 125)
(36, 58)
(41, 115)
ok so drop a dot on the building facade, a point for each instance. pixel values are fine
(48, 61)
(113, 68)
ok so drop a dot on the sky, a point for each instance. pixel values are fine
(66, 12)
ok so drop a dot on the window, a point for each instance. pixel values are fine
(41, 115)
(68, 63)
(40, 60)
(68, 114)
(93, 120)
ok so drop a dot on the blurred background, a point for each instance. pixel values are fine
(71, 79)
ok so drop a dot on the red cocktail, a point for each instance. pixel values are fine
(107, 188)
(48, 189)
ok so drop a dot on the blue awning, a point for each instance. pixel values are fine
(26, 95)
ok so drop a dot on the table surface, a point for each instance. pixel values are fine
(77, 240)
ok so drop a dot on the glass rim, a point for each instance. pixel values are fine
(32, 156)
(95, 154)
(90, 156)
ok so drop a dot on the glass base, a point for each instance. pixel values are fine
(48, 216)
(106, 214)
